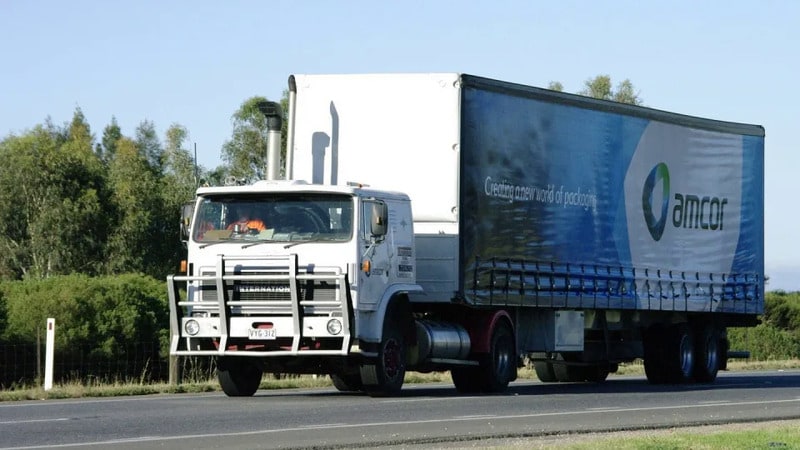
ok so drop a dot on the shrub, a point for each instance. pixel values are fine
(782, 310)
(111, 322)
(765, 342)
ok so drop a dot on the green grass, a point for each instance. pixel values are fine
(779, 435)
(76, 389)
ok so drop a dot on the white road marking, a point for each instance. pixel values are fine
(476, 416)
(16, 422)
(323, 426)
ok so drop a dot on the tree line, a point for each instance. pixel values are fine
(70, 205)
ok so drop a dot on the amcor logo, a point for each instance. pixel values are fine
(690, 211)
(660, 173)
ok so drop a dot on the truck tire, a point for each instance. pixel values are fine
(239, 377)
(724, 346)
(707, 354)
(499, 367)
(384, 376)
(654, 341)
(596, 373)
(591, 372)
(566, 373)
(679, 354)
(544, 371)
(347, 382)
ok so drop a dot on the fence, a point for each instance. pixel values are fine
(23, 364)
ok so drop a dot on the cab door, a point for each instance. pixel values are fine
(375, 251)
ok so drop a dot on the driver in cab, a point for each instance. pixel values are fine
(246, 221)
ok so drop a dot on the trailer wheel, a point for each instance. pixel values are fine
(707, 353)
(724, 346)
(347, 382)
(544, 371)
(654, 367)
(498, 369)
(385, 377)
(239, 377)
(679, 354)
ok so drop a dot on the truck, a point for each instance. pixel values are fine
(450, 222)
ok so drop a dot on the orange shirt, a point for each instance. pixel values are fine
(246, 224)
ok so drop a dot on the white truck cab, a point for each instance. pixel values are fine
(305, 274)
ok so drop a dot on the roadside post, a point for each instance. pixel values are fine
(48, 354)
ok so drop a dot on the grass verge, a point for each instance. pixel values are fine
(782, 434)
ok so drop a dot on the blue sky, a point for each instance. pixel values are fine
(194, 62)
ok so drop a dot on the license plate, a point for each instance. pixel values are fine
(262, 333)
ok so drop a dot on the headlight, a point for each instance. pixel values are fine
(192, 327)
(334, 326)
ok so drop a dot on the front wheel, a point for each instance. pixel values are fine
(385, 376)
(239, 377)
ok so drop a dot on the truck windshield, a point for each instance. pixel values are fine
(278, 218)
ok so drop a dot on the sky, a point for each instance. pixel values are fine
(194, 62)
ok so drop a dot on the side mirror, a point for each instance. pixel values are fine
(380, 219)
(187, 211)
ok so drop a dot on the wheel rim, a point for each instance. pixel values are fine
(391, 358)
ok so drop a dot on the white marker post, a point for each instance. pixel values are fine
(48, 354)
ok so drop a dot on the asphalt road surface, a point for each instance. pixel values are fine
(427, 414)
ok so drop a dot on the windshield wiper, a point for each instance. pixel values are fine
(292, 244)
(202, 246)
(251, 244)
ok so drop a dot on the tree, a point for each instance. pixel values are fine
(77, 221)
(215, 177)
(148, 144)
(24, 194)
(52, 192)
(555, 86)
(598, 87)
(601, 87)
(626, 93)
(108, 146)
(136, 205)
(179, 164)
(177, 187)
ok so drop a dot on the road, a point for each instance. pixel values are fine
(423, 414)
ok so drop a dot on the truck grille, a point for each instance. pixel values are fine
(270, 291)
(272, 297)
